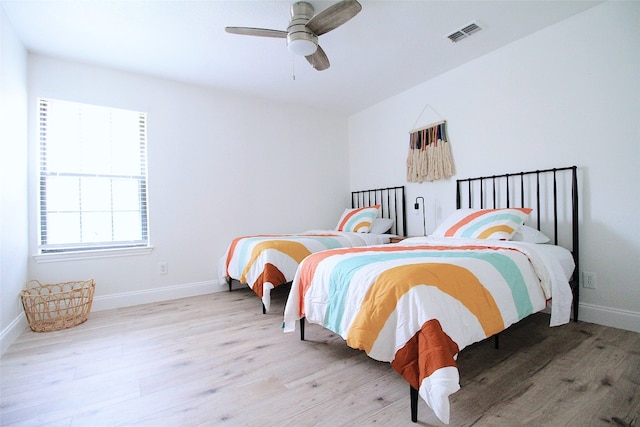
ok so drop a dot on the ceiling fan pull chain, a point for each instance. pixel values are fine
(293, 67)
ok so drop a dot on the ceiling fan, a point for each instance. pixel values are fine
(304, 29)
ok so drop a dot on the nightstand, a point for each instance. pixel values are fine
(397, 239)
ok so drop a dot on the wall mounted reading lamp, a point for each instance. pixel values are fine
(416, 206)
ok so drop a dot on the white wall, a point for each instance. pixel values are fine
(219, 166)
(13, 181)
(567, 95)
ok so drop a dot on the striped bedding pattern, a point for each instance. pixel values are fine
(417, 306)
(265, 261)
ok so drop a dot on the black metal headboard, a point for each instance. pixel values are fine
(552, 193)
(391, 201)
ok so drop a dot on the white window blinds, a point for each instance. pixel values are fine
(92, 177)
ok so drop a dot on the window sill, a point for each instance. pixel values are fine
(83, 255)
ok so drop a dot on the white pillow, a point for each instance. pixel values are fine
(381, 225)
(530, 234)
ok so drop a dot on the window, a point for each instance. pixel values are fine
(92, 177)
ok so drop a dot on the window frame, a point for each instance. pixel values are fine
(48, 251)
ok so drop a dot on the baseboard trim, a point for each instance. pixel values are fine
(12, 332)
(127, 299)
(616, 318)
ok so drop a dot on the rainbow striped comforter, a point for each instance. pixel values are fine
(265, 261)
(418, 303)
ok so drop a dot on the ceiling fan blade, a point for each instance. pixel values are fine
(334, 16)
(318, 59)
(260, 32)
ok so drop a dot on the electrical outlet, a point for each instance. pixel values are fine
(589, 280)
(163, 268)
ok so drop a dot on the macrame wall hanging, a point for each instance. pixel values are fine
(429, 155)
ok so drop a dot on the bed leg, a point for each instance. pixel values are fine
(229, 283)
(413, 394)
(576, 294)
(302, 329)
(496, 341)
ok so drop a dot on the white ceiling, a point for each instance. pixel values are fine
(389, 47)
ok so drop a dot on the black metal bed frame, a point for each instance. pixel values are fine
(530, 188)
(392, 201)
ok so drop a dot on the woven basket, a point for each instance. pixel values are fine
(57, 306)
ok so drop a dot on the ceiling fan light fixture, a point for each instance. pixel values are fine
(302, 43)
(302, 47)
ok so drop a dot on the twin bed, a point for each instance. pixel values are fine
(418, 303)
(264, 262)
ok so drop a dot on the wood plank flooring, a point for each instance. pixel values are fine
(217, 360)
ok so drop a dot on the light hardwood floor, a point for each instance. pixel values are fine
(217, 360)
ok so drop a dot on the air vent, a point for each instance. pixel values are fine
(463, 32)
